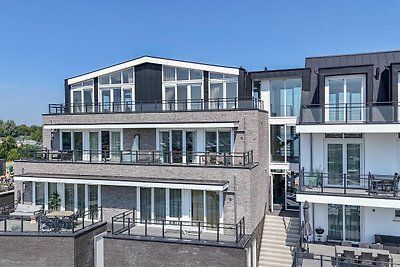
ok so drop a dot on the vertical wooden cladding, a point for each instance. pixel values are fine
(244, 91)
(96, 89)
(148, 82)
(205, 84)
(395, 70)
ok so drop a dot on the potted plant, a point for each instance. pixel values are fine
(315, 177)
(54, 201)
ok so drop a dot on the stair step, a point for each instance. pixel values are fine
(275, 258)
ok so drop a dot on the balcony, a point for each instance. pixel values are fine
(379, 112)
(157, 106)
(127, 224)
(348, 184)
(150, 157)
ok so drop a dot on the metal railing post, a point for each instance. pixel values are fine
(344, 183)
(145, 227)
(129, 226)
(369, 184)
(163, 228)
(180, 229)
(217, 232)
(198, 230)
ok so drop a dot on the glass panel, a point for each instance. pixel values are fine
(293, 97)
(69, 197)
(159, 204)
(212, 208)
(190, 146)
(78, 145)
(214, 75)
(93, 201)
(175, 203)
(164, 146)
(116, 78)
(195, 96)
(216, 96)
(197, 206)
(278, 143)
(169, 73)
(94, 146)
(182, 74)
(211, 141)
(66, 141)
(88, 100)
(39, 193)
(353, 99)
(181, 97)
(81, 198)
(196, 74)
(75, 85)
(77, 101)
(292, 144)
(105, 144)
(88, 83)
(335, 164)
(224, 142)
(117, 99)
(128, 100)
(277, 98)
(177, 146)
(169, 98)
(231, 95)
(104, 79)
(115, 146)
(127, 76)
(336, 100)
(353, 164)
(106, 100)
(145, 203)
(335, 222)
(352, 223)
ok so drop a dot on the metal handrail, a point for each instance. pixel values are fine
(157, 106)
(157, 157)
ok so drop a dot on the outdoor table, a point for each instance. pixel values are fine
(59, 214)
(339, 250)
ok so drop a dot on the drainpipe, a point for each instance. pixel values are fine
(311, 154)
(234, 198)
(244, 135)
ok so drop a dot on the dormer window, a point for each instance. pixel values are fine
(345, 98)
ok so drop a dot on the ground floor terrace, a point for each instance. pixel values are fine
(207, 205)
(355, 220)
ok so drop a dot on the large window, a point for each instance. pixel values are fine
(218, 141)
(285, 97)
(182, 89)
(82, 97)
(285, 144)
(344, 98)
(223, 91)
(343, 223)
(177, 146)
(116, 91)
(39, 193)
(344, 158)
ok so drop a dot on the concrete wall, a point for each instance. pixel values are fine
(120, 252)
(84, 245)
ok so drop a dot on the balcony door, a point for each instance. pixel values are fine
(344, 158)
(344, 223)
(178, 146)
(345, 98)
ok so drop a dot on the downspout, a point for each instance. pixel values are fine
(311, 154)
(244, 135)
(234, 199)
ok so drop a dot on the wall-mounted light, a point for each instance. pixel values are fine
(376, 73)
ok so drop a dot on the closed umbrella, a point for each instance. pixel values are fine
(307, 230)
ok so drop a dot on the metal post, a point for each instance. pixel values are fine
(145, 227)
(321, 261)
(22, 225)
(344, 182)
(217, 232)
(198, 230)
(180, 229)
(369, 184)
(129, 226)
(163, 228)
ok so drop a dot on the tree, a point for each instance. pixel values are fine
(13, 154)
(27, 151)
(7, 145)
(23, 130)
(10, 128)
(36, 133)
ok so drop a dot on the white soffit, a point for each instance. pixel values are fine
(139, 126)
(161, 61)
(124, 183)
(350, 200)
(348, 128)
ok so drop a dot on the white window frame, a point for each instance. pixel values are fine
(111, 88)
(344, 78)
(81, 90)
(284, 79)
(343, 207)
(224, 81)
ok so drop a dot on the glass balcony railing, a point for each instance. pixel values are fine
(379, 112)
(157, 106)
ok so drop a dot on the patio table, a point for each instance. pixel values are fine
(339, 250)
(59, 214)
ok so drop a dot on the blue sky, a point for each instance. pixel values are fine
(43, 42)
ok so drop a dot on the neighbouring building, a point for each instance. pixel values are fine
(350, 146)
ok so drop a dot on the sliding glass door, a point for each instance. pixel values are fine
(212, 208)
(159, 204)
(343, 223)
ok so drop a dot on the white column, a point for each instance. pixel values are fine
(167, 217)
(34, 193)
(46, 196)
(186, 197)
(75, 197)
(138, 202)
(99, 195)
(61, 192)
(152, 203)
(86, 197)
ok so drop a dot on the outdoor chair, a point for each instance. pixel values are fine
(346, 244)
(377, 246)
(363, 245)
(348, 254)
(382, 260)
(46, 225)
(366, 258)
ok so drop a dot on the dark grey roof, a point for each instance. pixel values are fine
(376, 58)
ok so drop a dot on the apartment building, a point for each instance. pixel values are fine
(350, 146)
(173, 155)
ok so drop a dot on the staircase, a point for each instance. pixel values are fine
(280, 237)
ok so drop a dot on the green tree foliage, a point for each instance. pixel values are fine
(9, 128)
(36, 133)
(13, 154)
(27, 151)
(6, 146)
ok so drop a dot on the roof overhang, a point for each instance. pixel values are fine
(154, 60)
(348, 128)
